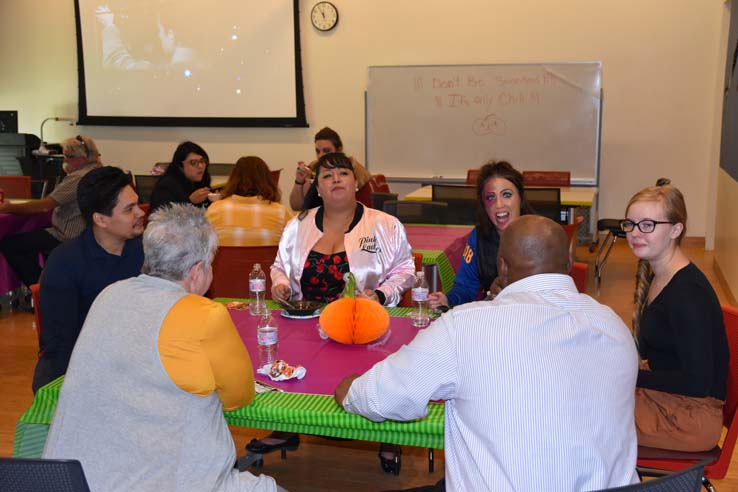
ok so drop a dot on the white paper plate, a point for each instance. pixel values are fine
(315, 314)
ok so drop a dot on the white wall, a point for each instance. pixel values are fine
(662, 62)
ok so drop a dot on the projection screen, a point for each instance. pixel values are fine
(189, 63)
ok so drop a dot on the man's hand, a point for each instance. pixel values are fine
(494, 289)
(343, 388)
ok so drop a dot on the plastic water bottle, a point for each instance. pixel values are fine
(257, 291)
(421, 314)
(267, 337)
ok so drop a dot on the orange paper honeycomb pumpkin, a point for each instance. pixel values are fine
(354, 321)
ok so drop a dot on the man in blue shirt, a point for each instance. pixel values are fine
(108, 250)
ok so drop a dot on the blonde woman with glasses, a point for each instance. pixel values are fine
(678, 326)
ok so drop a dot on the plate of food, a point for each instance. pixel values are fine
(237, 305)
(301, 309)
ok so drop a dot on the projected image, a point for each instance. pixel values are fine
(226, 59)
(155, 40)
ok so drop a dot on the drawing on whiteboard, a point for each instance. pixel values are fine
(489, 124)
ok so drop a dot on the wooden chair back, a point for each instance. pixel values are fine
(16, 186)
(471, 176)
(231, 268)
(546, 178)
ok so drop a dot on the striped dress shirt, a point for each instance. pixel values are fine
(66, 220)
(539, 388)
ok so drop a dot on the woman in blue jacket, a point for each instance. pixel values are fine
(501, 200)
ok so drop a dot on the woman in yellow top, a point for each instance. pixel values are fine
(249, 212)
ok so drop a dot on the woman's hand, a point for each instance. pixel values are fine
(302, 174)
(200, 195)
(370, 294)
(281, 292)
(437, 299)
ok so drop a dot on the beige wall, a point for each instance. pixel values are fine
(662, 62)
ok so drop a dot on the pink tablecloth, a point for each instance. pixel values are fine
(327, 362)
(450, 240)
(15, 224)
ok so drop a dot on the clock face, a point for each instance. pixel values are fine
(324, 16)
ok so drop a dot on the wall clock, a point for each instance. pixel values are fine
(324, 16)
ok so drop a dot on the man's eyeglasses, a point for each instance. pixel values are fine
(646, 225)
(197, 162)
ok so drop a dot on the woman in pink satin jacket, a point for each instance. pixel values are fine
(335, 233)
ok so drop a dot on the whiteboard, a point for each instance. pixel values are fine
(440, 120)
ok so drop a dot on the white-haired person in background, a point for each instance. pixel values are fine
(21, 250)
(152, 371)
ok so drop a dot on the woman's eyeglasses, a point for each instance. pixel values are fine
(197, 162)
(646, 225)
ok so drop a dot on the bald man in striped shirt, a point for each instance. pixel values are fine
(539, 383)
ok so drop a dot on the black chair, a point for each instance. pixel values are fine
(38, 188)
(461, 200)
(145, 184)
(687, 480)
(614, 232)
(379, 197)
(545, 202)
(27, 475)
(415, 212)
(216, 169)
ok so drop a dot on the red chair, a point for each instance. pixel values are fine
(471, 176)
(546, 178)
(275, 176)
(579, 273)
(146, 208)
(376, 183)
(659, 462)
(381, 185)
(571, 230)
(231, 268)
(16, 186)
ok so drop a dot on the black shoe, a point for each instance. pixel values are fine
(289, 443)
(24, 303)
(390, 465)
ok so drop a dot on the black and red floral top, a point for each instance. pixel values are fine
(322, 276)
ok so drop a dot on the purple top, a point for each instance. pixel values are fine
(327, 362)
